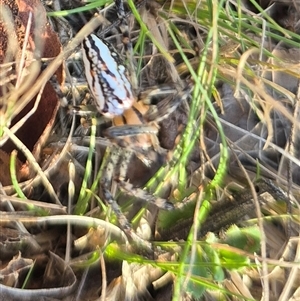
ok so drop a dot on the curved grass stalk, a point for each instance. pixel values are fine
(221, 170)
(33, 163)
(146, 31)
(92, 5)
(82, 203)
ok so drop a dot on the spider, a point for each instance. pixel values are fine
(134, 122)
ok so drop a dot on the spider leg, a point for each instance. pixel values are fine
(127, 130)
(138, 139)
(105, 183)
(139, 193)
(146, 196)
(124, 163)
(166, 106)
(121, 157)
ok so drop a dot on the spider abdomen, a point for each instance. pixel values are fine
(107, 77)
